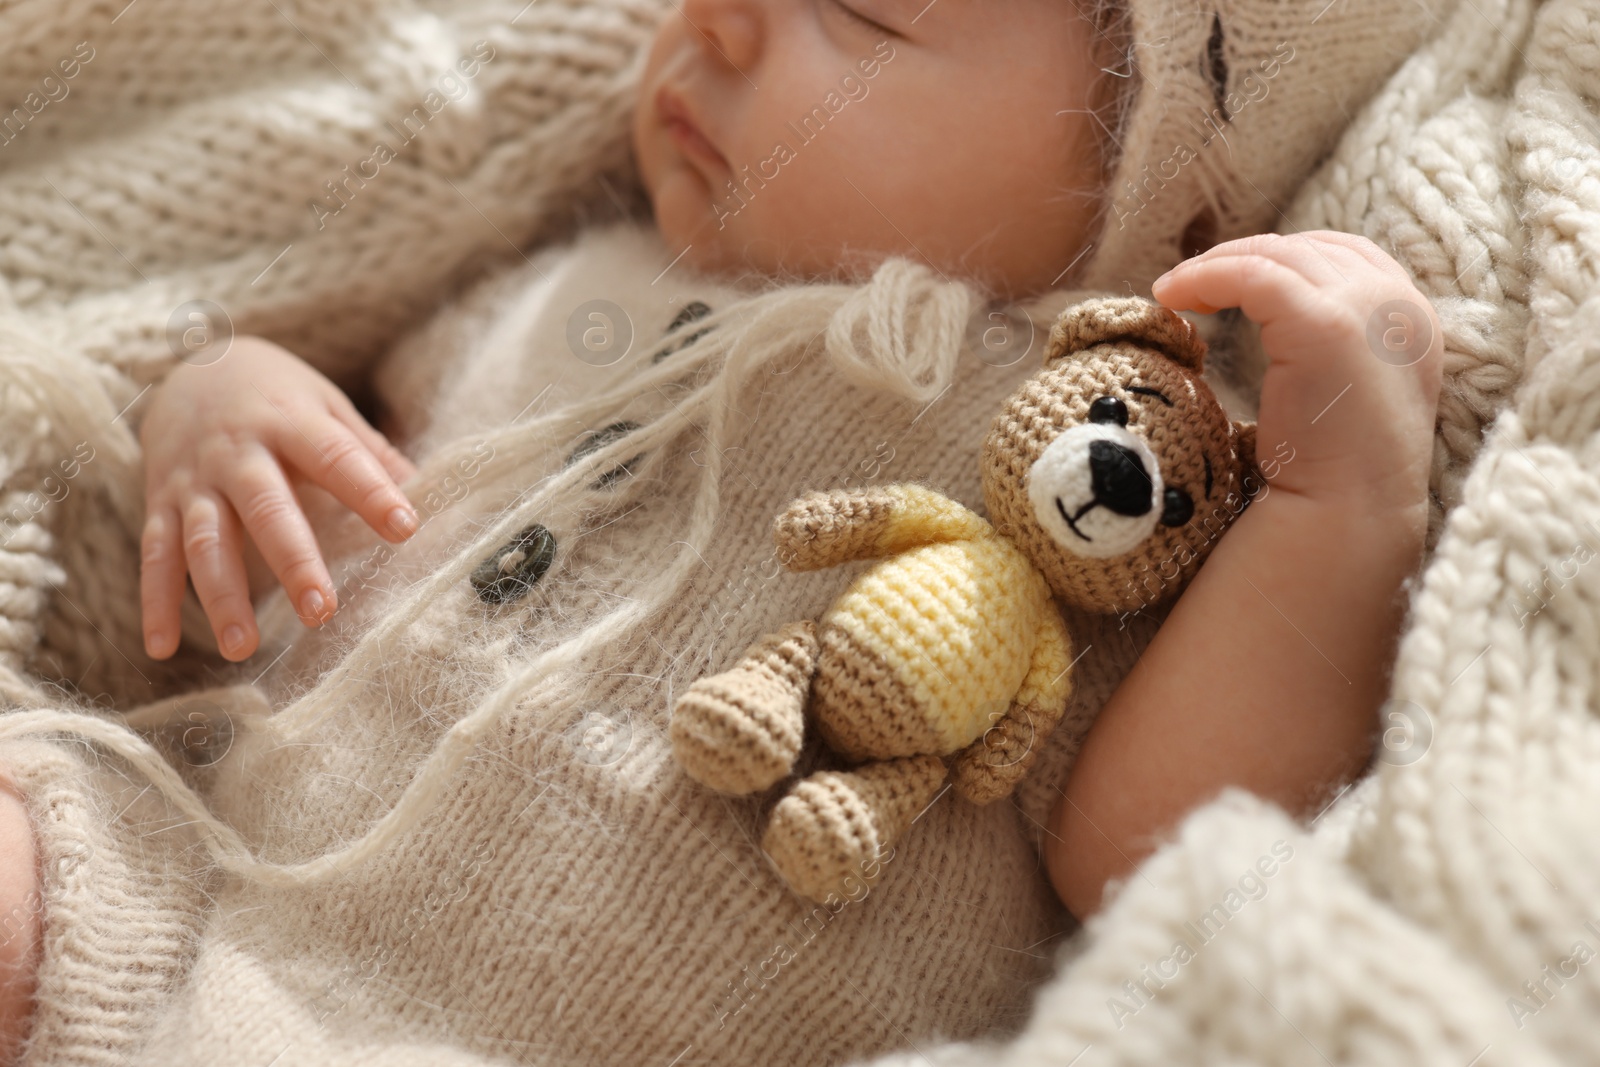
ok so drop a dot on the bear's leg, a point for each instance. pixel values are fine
(740, 731)
(833, 832)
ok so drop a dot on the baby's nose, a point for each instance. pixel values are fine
(1119, 479)
(731, 30)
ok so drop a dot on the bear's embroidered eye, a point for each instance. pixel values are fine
(1108, 409)
(1145, 390)
(1177, 508)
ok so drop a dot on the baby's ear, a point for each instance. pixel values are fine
(1126, 318)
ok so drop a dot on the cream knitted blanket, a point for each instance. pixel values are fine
(1438, 913)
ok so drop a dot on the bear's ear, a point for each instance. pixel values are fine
(1244, 446)
(1130, 318)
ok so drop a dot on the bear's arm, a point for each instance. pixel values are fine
(827, 527)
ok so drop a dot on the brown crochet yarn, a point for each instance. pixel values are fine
(745, 726)
(829, 835)
(1103, 348)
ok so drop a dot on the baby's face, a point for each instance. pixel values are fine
(814, 138)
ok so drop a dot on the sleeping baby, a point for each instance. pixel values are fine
(1205, 707)
(849, 178)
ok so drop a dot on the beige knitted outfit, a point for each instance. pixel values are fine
(497, 859)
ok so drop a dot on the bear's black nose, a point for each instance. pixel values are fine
(1119, 479)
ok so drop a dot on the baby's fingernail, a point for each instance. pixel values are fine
(233, 638)
(312, 604)
(154, 642)
(403, 521)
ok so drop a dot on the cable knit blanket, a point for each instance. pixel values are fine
(1445, 911)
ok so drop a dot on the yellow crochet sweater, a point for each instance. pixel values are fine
(960, 612)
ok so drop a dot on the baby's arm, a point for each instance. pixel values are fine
(1269, 671)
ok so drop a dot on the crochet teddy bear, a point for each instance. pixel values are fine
(1107, 478)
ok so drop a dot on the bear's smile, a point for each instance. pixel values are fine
(1073, 525)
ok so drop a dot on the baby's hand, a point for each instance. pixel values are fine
(1349, 397)
(1269, 670)
(220, 443)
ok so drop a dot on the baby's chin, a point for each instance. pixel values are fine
(682, 209)
(688, 225)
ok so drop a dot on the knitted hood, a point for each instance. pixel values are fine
(1233, 103)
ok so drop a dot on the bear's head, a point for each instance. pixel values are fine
(1114, 467)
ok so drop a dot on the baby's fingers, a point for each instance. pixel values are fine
(161, 588)
(213, 545)
(1265, 289)
(394, 461)
(331, 455)
(263, 500)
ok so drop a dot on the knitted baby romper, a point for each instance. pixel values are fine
(625, 909)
